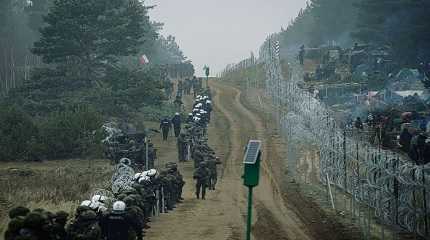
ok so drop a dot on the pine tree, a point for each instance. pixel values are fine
(401, 24)
(82, 37)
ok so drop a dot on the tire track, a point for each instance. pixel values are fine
(270, 205)
(223, 214)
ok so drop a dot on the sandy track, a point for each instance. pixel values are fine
(222, 215)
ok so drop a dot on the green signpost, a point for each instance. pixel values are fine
(251, 176)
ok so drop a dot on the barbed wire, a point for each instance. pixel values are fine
(384, 180)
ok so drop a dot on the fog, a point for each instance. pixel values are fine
(220, 32)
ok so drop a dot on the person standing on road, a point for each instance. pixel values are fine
(194, 86)
(176, 121)
(182, 147)
(165, 126)
(213, 173)
(201, 175)
(302, 55)
(178, 103)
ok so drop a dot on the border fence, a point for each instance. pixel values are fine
(386, 183)
(244, 64)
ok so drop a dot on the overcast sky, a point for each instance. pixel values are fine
(219, 32)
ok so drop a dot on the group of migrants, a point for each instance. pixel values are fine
(398, 119)
(408, 130)
(120, 214)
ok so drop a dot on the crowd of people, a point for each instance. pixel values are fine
(409, 131)
(125, 211)
(192, 141)
(124, 214)
(186, 86)
(194, 144)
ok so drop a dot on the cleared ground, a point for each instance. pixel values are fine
(222, 215)
(52, 185)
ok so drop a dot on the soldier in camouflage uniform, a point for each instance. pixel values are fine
(59, 225)
(17, 216)
(148, 198)
(198, 157)
(178, 182)
(85, 226)
(201, 175)
(213, 173)
(182, 147)
(165, 181)
(134, 214)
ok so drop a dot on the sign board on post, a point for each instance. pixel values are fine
(251, 161)
(251, 176)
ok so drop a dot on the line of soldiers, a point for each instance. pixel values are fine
(119, 216)
(193, 144)
(185, 86)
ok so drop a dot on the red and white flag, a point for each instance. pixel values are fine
(144, 59)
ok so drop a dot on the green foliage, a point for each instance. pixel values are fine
(400, 24)
(91, 52)
(83, 37)
(156, 113)
(17, 132)
(322, 21)
(167, 51)
(61, 134)
(185, 69)
(70, 133)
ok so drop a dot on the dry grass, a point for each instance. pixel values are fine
(52, 185)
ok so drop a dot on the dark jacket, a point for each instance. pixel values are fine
(176, 121)
(116, 226)
(165, 124)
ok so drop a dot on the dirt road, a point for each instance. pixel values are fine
(222, 215)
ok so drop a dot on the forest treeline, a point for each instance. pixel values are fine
(66, 66)
(404, 25)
